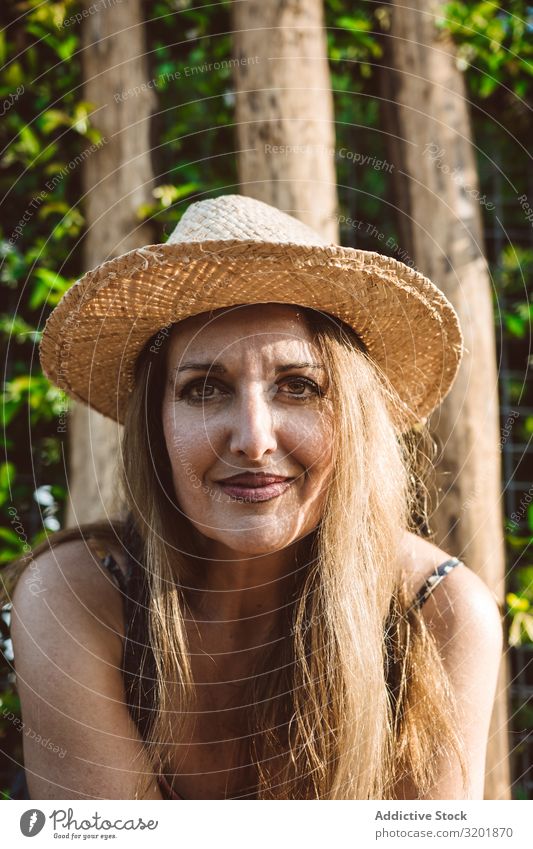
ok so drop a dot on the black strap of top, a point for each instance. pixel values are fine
(434, 580)
(138, 664)
(124, 581)
(111, 564)
(107, 560)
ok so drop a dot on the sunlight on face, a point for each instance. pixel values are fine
(247, 427)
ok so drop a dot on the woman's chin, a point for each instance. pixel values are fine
(237, 545)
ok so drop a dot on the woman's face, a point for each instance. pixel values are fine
(247, 430)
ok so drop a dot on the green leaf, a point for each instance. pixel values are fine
(353, 24)
(29, 143)
(515, 325)
(7, 474)
(52, 119)
(48, 288)
(58, 206)
(516, 603)
(524, 578)
(13, 76)
(10, 537)
(65, 49)
(145, 210)
(169, 193)
(14, 327)
(487, 86)
(81, 120)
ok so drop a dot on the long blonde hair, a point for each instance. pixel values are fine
(354, 699)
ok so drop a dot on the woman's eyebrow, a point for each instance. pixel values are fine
(218, 368)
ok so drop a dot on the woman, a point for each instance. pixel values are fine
(275, 627)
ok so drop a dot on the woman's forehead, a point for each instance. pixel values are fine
(260, 325)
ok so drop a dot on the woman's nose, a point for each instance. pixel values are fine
(252, 425)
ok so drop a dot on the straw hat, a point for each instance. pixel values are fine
(236, 250)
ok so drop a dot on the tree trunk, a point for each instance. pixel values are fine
(439, 206)
(117, 179)
(284, 110)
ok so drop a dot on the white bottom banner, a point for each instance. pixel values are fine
(277, 824)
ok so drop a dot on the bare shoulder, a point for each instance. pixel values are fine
(68, 649)
(462, 612)
(462, 592)
(464, 618)
(69, 578)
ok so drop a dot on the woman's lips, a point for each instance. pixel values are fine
(256, 493)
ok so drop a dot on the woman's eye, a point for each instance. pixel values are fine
(300, 388)
(199, 390)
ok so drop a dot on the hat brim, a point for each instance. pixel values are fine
(93, 337)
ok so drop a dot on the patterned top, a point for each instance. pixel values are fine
(133, 587)
(434, 580)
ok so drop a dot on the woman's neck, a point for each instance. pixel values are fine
(244, 598)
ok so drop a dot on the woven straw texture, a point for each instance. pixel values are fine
(235, 250)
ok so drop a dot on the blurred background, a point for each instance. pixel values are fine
(400, 130)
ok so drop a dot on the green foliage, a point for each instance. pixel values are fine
(45, 130)
(351, 40)
(190, 53)
(495, 42)
(165, 196)
(520, 607)
(513, 315)
(33, 393)
(44, 134)
(10, 738)
(513, 276)
(355, 49)
(520, 602)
